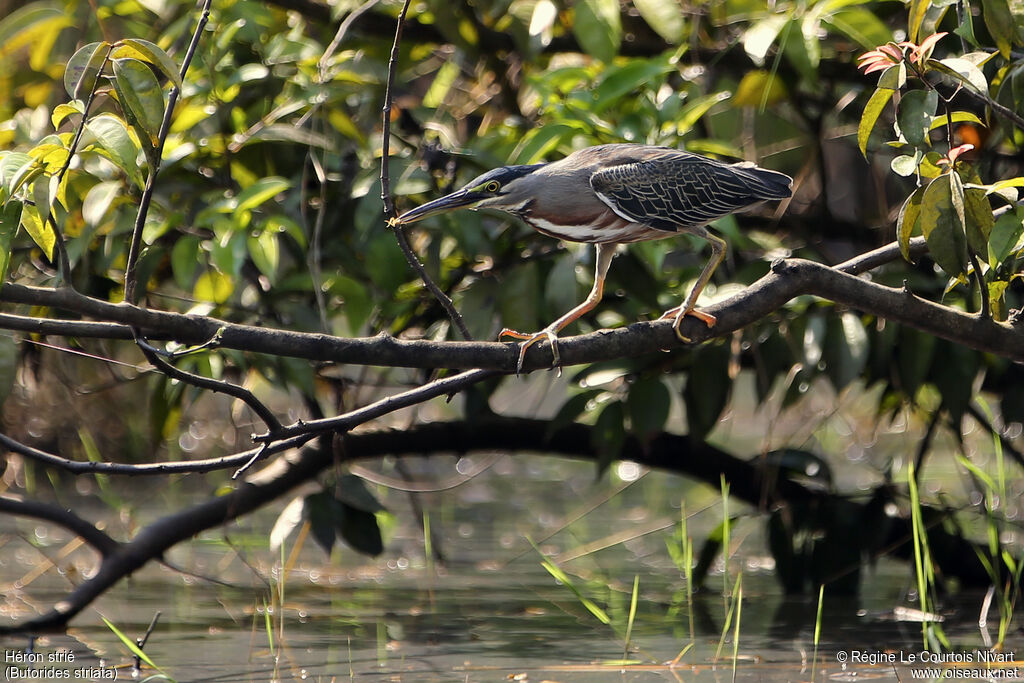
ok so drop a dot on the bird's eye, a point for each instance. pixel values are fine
(492, 186)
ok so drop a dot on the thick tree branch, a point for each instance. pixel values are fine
(788, 278)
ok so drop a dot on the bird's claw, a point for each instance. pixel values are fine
(531, 339)
(680, 312)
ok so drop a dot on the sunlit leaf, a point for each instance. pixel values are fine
(872, 111)
(761, 35)
(98, 200)
(259, 192)
(861, 25)
(442, 83)
(907, 222)
(961, 71)
(666, 18)
(893, 78)
(213, 286)
(957, 117)
(1006, 235)
(40, 232)
(289, 519)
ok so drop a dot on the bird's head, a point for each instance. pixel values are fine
(507, 189)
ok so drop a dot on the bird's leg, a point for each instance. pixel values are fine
(605, 252)
(688, 306)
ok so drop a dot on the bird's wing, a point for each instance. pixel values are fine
(677, 190)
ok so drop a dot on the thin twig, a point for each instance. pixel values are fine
(241, 393)
(130, 275)
(385, 189)
(388, 404)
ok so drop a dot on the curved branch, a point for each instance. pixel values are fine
(787, 279)
(64, 517)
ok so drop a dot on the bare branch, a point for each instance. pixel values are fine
(64, 517)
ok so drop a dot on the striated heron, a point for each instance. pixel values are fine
(615, 194)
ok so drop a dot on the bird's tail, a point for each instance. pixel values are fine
(765, 184)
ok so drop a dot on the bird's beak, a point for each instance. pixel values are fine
(455, 200)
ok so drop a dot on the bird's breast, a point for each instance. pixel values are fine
(602, 227)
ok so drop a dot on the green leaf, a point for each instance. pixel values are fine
(145, 51)
(860, 25)
(84, 68)
(943, 226)
(44, 191)
(111, 139)
(1005, 235)
(907, 223)
(647, 406)
(142, 99)
(893, 78)
(707, 389)
(914, 115)
(537, 143)
(1001, 24)
(265, 253)
(360, 530)
(845, 350)
(608, 435)
(353, 491)
(666, 18)
(8, 361)
(185, 260)
(10, 219)
(635, 75)
(872, 111)
(979, 220)
(319, 509)
(259, 192)
(598, 28)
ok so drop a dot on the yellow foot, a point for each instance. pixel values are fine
(531, 339)
(680, 312)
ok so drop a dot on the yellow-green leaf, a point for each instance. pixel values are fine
(31, 25)
(213, 286)
(40, 232)
(64, 110)
(872, 111)
(907, 223)
(10, 219)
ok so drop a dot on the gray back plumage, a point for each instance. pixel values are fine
(672, 190)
